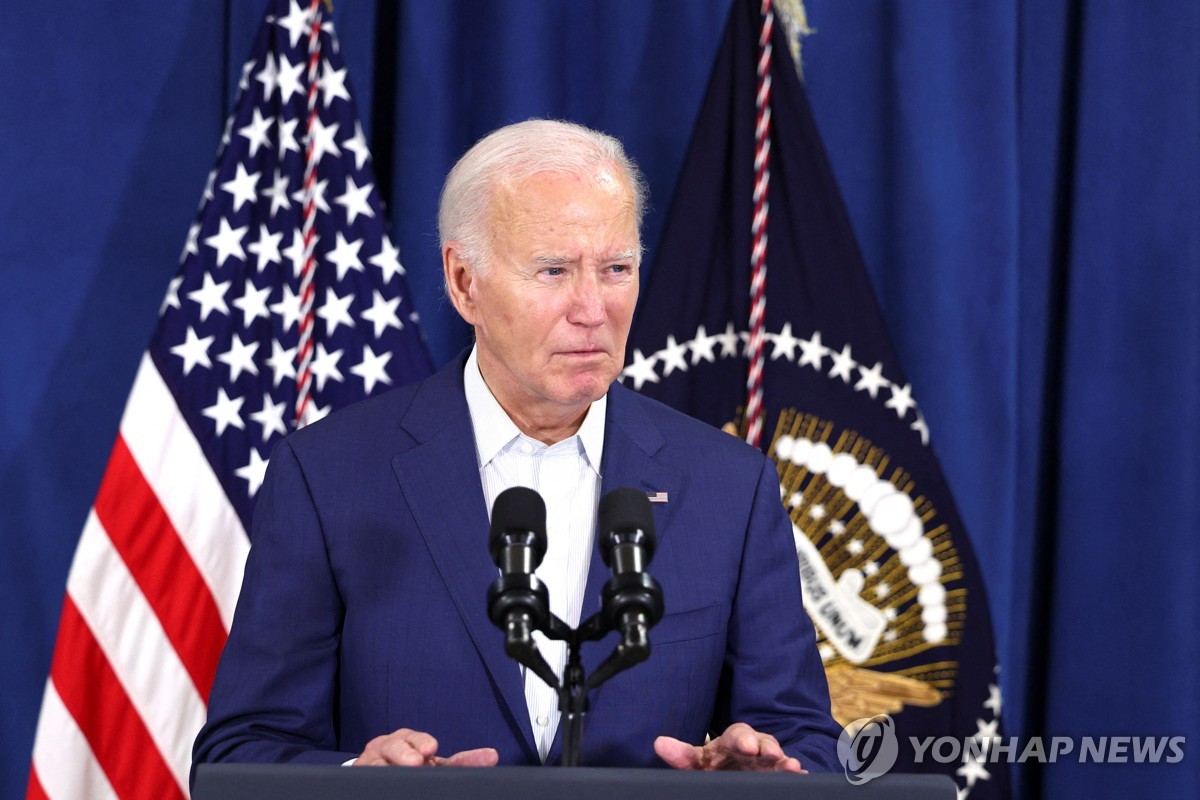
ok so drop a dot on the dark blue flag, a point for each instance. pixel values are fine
(890, 580)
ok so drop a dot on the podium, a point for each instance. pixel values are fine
(305, 782)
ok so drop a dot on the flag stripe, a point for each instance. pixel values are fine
(35, 791)
(137, 647)
(63, 762)
(150, 547)
(174, 464)
(92, 695)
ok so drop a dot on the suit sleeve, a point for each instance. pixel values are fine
(274, 693)
(773, 678)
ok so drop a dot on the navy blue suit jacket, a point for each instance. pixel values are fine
(363, 606)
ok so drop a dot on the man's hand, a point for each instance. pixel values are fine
(408, 748)
(740, 747)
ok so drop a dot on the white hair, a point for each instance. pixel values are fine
(514, 153)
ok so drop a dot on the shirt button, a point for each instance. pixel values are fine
(543, 720)
(526, 448)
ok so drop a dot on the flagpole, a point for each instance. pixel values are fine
(304, 350)
(758, 231)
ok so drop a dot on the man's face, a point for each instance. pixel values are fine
(552, 309)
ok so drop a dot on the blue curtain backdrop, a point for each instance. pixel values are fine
(1024, 179)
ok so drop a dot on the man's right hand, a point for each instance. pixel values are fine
(409, 748)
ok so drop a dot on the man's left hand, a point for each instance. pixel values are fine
(740, 747)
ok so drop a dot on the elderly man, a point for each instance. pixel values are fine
(362, 634)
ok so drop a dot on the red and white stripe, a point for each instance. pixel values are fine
(758, 231)
(308, 291)
(149, 600)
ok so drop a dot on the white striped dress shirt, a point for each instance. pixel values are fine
(567, 476)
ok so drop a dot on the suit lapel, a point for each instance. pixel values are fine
(631, 441)
(440, 481)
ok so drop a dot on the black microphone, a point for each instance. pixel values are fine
(518, 602)
(632, 600)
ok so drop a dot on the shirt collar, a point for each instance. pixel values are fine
(494, 429)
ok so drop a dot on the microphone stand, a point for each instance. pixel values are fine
(575, 685)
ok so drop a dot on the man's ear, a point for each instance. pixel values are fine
(459, 279)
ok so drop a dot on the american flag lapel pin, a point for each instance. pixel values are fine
(656, 497)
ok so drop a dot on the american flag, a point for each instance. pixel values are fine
(156, 575)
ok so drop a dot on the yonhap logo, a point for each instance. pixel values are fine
(867, 748)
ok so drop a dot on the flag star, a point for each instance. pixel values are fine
(729, 341)
(190, 247)
(243, 187)
(294, 253)
(843, 364)
(296, 22)
(372, 369)
(318, 197)
(901, 400)
(321, 140)
(324, 366)
(278, 192)
(357, 144)
(172, 298)
(253, 303)
(270, 417)
(244, 81)
(854, 547)
(812, 351)
(225, 134)
(382, 313)
(994, 701)
(228, 241)
(744, 337)
(973, 770)
(889, 613)
(870, 568)
(837, 527)
(817, 511)
(254, 472)
(225, 412)
(960, 792)
(826, 652)
(919, 425)
(210, 296)
(314, 412)
(239, 357)
(288, 307)
(986, 731)
(256, 132)
(344, 256)
(209, 183)
(674, 356)
(872, 379)
(355, 200)
(336, 311)
(287, 138)
(266, 248)
(268, 76)
(193, 351)
(641, 370)
(785, 344)
(702, 346)
(288, 79)
(795, 499)
(387, 259)
(332, 84)
(881, 590)
(282, 362)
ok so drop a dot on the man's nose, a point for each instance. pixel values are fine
(587, 302)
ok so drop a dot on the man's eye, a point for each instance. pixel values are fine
(553, 272)
(619, 268)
